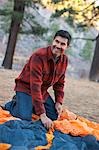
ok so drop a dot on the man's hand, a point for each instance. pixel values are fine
(47, 122)
(58, 107)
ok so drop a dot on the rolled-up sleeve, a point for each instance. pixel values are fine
(36, 66)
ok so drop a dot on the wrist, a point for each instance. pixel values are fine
(43, 115)
(58, 103)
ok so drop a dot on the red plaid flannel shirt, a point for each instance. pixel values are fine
(39, 74)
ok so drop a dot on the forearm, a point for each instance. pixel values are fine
(58, 88)
(35, 85)
(59, 95)
(39, 107)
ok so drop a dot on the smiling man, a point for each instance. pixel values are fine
(46, 67)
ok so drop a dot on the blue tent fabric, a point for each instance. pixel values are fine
(26, 135)
(64, 141)
(23, 133)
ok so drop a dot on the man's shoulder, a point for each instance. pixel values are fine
(65, 58)
(41, 51)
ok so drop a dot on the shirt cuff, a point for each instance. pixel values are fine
(39, 107)
(59, 101)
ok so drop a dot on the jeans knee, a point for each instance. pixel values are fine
(25, 116)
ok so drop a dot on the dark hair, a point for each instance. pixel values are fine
(64, 34)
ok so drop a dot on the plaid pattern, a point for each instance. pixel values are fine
(41, 72)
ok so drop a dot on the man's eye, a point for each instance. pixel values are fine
(62, 44)
(57, 41)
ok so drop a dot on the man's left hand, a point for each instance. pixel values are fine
(58, 107)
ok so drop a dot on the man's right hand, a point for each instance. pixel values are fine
(47, 122)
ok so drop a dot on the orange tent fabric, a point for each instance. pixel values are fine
(50, 138)
(68, 123)
(4, 146)
(6, 116)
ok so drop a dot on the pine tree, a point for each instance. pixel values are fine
(19, 17)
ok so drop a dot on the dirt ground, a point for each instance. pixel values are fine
(81, 96)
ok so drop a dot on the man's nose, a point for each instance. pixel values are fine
(59, 45)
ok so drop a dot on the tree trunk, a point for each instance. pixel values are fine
(94, 71)
(19, 6)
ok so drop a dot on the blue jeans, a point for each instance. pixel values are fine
(22, 107)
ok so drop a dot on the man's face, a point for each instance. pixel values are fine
(59, 45)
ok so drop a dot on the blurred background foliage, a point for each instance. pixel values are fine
(79, 17)
(78, 14)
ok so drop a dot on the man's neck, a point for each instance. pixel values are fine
(56, 59)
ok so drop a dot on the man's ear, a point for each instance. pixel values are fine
(68, 46)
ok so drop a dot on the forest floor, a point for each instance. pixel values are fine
(81, 96)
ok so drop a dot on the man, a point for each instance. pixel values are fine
(46, 67)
